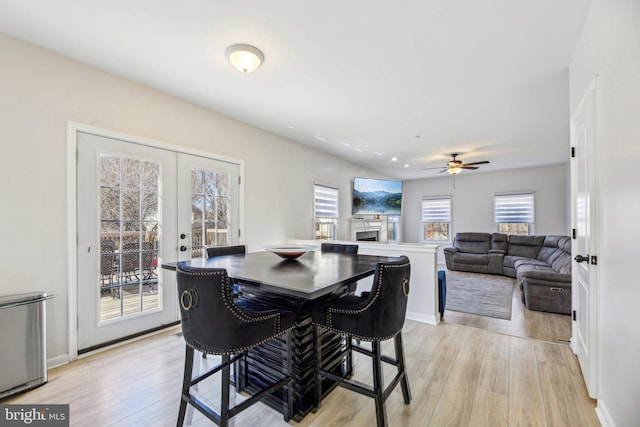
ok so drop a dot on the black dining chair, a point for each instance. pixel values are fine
(343, 248)
(213, 323)
(339, 248)
(376, 317)
(214, 251)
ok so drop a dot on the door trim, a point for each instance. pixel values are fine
(72, 243)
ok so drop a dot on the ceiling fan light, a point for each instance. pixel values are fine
(455, 170)
(245, 58)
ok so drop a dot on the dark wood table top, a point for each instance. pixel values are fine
(310, 276)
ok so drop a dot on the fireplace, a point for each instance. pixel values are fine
(368, 236)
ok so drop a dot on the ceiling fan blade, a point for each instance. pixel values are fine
(439, 167)
(443, 170)
(469, 167)
(477, 163)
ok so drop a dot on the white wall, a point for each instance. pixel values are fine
(472, 199)
(40, 91)
(610, 47)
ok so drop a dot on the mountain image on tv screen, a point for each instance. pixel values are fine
(376, 197)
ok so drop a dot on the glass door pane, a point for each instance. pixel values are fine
(211, 188)
(210, 204)
(129, 223)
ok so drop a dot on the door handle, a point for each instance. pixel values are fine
(580, 258)
(183, 248)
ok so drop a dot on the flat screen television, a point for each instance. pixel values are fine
(376, 197)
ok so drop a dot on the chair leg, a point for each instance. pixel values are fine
(289, 408)
(349, 370)
(378, 385)
(186, 384)
(225, 383)
(404, 383)
(238, 375)
(317, 356)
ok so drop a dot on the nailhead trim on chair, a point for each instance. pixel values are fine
(237, 313)
(331, 311)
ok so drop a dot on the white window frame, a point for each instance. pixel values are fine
(437, 209)
(326, 210)
(514, 208)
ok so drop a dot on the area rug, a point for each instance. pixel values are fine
(482, 294)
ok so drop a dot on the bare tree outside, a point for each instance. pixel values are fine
(129, 196)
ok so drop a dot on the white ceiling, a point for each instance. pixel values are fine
(366, 80)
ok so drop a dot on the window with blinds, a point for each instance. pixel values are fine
(514, 213)
(325, 212)
(436, 219)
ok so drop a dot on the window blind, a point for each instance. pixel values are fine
(436, 210)
(513, 208)
(325, 201)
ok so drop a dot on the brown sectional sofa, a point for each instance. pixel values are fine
(541, 264)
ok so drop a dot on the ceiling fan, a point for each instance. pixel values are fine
(455, 166)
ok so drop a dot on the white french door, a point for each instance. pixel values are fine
(139, 206)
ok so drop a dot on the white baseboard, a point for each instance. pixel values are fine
(420, 317)
(603, 415)
(54, 362)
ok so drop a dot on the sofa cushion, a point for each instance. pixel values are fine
(467, 258)
(523, 262)
(555, 255)
(474, 243)
(510, 260)
(550, 247)
(525, 246)
(563, 264)
(508, 265)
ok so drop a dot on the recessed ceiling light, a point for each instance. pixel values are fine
(406, 165)
(394, 159)
(359, 150)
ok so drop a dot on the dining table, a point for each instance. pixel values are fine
(296, 285)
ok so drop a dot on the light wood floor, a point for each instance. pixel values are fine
(524, 322)
(459, 376)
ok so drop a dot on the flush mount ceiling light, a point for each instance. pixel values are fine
(245, 58)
